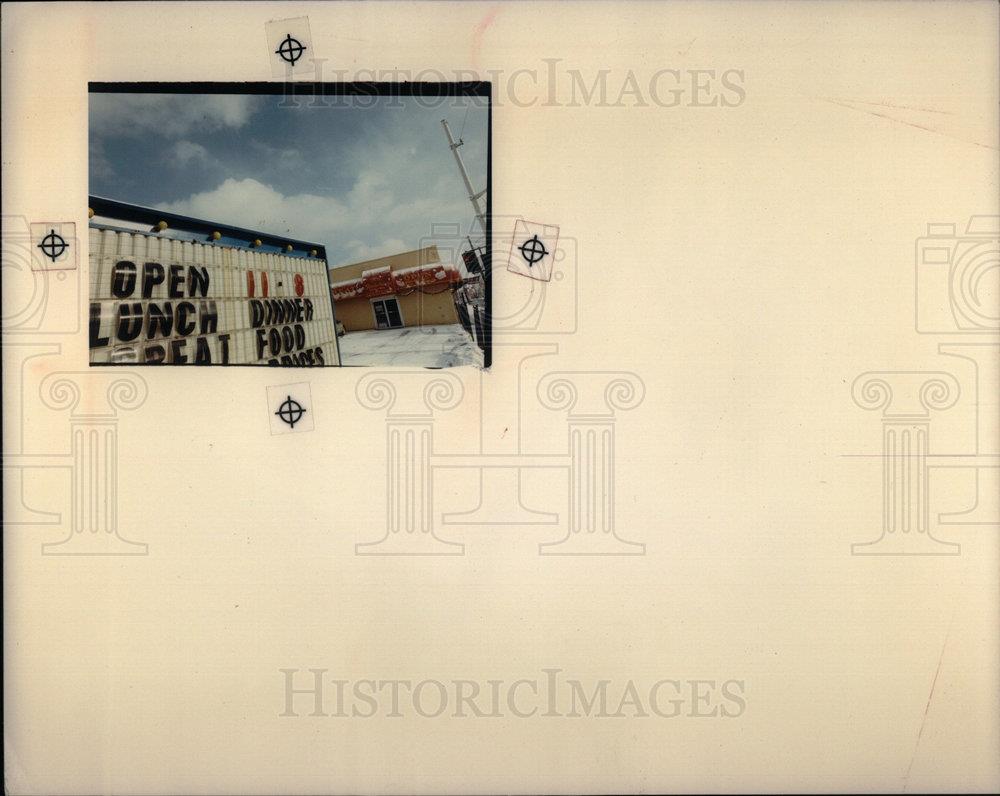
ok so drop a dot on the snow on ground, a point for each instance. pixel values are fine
(417, 346)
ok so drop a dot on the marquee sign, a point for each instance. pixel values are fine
(157, 300)
(377, 282)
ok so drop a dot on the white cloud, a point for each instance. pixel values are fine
(358, 251)
(287, 157)
(396, 201)
(186, 151)
(368, 223)
(249, 203)
(171, 115)
(370, 198)
(100, 166)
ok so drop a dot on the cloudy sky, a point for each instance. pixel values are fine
(365, 181)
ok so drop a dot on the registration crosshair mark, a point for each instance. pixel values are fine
(290, 49)
(53, 245)
(532, 250)
(290, 411)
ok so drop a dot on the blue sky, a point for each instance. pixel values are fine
(365, 181)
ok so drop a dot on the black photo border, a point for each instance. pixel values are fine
(480, 89)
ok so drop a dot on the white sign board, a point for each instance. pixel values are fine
(155, 300)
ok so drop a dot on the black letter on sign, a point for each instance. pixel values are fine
(123, 279)
(96, 341)
(184, 326)
(224, 342)
(202, 356)
(129, 322)
(288, 337)
(261, 341)
(197, 281)
(176, 357)
(309, 309)
(319, 355)
(274, 338)
(256, 313)
(174, 286)
(300, 336)
(209, 318)
(155, 355)
(152, 275)
(160, 321)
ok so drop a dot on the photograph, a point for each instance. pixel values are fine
(598, 397)
(291, 225)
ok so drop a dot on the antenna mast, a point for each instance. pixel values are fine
(473, 196)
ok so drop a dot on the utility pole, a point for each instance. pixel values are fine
(473, 196)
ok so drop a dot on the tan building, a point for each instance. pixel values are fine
(409, 289)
